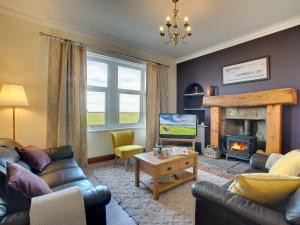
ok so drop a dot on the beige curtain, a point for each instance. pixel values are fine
(156, 101)
(66, 116)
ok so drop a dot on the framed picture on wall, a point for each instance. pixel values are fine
(247, 71)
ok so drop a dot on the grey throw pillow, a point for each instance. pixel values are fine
(272, 159)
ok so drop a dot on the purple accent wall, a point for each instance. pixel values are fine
(284, 51)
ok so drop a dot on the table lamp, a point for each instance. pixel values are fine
(13, 96)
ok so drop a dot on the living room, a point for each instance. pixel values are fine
(161, 112)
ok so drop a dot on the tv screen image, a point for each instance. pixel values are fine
(177, 125)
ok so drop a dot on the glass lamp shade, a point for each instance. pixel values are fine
(13, 95)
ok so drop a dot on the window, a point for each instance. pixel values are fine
(115, 93)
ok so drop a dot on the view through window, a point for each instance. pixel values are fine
(115, 93)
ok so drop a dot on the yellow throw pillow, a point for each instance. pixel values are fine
(263, 188)
(289, 164)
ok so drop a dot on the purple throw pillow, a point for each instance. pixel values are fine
(35, 157)
(23, 180)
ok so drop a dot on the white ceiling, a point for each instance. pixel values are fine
(136, 22)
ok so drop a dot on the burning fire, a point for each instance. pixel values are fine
(238, 146)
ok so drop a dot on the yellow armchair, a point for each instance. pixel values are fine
(123, 145)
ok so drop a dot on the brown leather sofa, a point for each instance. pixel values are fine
(215, 205)
(61, 173)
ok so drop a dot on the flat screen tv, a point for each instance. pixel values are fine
(177, 126)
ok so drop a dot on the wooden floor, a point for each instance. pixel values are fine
(115, 214)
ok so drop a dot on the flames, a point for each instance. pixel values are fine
(238, 146)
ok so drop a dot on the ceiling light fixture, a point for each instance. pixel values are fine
(174, 33)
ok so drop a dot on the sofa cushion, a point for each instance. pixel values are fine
(7, 154)
(82, 184)
(216, 206)
(3, 207)
(23, 180)
(24, 164)
(289, 164)
(6, 142)
(35, 157)
(258, 162)
(292, 211)
(58, 165)
(128, 151)
(263, 188)
(8, 198)
(61, 152)
(63, 176)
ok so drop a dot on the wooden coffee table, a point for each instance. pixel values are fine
(158, 168)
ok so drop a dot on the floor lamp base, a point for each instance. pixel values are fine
(14, 123)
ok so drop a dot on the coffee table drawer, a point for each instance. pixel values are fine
(184, 163)
(168, 168)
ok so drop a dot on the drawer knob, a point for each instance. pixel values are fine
(169, 168)
(187, 163)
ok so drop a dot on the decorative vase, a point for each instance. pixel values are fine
(208, 90)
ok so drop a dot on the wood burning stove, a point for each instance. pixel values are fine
(241, 147)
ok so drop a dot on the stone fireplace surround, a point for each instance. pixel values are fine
(248, 121)
(259, 106)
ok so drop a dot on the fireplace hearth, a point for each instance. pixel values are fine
(240, 147)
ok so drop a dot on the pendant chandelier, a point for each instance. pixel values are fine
(174, 33)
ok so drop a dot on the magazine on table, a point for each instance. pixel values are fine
(178, 151)
(170, 179)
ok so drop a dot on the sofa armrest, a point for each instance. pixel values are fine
(237, 205)
(258, 162)
(96, 196)
(59, 153)
(19, 218)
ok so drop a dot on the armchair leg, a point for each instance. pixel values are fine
(126, 164)
(116, 159)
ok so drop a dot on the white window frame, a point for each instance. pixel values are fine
(112, 103)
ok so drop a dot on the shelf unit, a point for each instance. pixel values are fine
(192, 101)
(194, 109)
(184, 177)
(194, 94)
(192, 104)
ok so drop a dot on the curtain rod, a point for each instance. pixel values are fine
(102, 49)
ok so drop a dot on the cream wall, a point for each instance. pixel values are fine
(24, 60)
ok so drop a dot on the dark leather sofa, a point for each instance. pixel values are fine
(215, 205)
(61, 173)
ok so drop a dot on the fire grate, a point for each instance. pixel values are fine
(241, 147)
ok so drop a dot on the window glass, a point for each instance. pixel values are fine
(129, 108)
(129, 78)
(115, 93)
(96, 73)
(95, 108)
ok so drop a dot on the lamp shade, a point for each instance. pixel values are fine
(13, 95)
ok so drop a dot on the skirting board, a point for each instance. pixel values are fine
(100, 158)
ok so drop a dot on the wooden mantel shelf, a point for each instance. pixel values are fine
(283, 96)
(272, 99)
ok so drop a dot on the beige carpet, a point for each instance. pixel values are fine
(174, 207)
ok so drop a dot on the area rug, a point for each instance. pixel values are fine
(174, 207)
